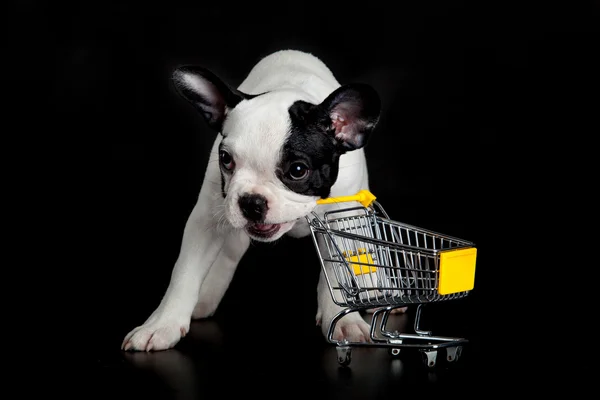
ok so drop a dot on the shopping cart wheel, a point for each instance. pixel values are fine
(429, 357)
(453, 353)
(395, 351)
(344, 355)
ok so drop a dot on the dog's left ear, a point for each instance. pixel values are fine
(208, 93)
(354, 111)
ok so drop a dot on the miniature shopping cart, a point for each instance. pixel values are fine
(373, 262)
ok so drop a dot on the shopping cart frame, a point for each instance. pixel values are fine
(402, 283)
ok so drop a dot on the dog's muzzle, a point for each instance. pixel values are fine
(254, 208)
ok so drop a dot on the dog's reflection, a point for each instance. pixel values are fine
(177, 369)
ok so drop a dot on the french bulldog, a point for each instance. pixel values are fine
(290, 134)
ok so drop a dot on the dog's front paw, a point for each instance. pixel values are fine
(352, 328)
(154, 336)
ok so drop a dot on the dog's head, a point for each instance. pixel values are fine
(279, 152)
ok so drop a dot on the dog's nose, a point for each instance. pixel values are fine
(254, 207)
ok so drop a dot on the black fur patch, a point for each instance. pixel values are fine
(311, 142)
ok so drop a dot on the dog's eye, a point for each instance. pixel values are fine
(298, 170)
(226, 160)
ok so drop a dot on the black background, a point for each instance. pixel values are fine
(468, 88)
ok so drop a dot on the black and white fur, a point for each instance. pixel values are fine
(288, 135)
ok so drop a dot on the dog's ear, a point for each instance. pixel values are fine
(207, 92)
(354, 111)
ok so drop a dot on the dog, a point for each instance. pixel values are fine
(290, 134)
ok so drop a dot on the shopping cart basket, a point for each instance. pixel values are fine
(373, 262)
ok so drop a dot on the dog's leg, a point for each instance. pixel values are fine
(204, 247)
(171, 319)
(219, 276)
(351, 327)
(204, 253)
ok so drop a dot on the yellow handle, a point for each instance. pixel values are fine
(364, 197)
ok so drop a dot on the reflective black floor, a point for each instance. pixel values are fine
(273, 350)
(225, 360)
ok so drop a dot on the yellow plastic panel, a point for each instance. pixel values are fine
(362, 257)
(457, 270)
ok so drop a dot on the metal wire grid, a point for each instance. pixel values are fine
(406, 259)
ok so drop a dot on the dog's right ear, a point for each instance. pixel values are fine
(208, 93)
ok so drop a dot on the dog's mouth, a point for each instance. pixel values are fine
(266, 231)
